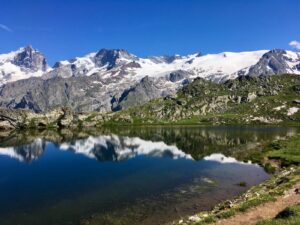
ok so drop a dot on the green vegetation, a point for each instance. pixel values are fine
(267, 191)
(246, 100)
(277, 154)
(284, 155)
(243, 101)
(289, 216)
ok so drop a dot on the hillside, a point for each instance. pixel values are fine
(246, 100)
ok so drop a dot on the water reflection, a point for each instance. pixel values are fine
(189, 143)
(27, 152)
(161, 173)
(118, 148)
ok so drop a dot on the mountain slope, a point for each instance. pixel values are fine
(245, 100)
(121, 63)
(114, 79)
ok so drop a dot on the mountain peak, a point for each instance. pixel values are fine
(111, 56)
(29, 48)
(30, 58)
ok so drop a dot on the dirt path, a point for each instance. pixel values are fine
(265, 211)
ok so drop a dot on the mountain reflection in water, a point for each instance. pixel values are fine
(173, 143)
(137, 175)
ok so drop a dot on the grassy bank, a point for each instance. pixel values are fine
(281, 157)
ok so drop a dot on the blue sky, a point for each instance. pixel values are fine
(65, 29)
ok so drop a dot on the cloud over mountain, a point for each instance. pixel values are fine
(295, 44)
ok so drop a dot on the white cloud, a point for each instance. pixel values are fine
(295, 44)
(4, 27)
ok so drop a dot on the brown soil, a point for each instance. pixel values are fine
(265, 211)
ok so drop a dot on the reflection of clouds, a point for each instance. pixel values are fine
(199, 142)
(10, 151)
(117, 148)
(27, 152)
(220, 158)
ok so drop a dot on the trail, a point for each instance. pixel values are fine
(264, 211)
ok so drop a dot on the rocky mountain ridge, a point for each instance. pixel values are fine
(114, 79)
(246, 100)
(24, 63)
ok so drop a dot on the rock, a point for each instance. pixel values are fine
(178, 75)
(31, 59)
(125, 118)
(296, 102)
(251, 97)
(65, 120)
(272, 62)
(194, 218)
(286, 213)
(137, 95)
(6, 125)
(296, 88)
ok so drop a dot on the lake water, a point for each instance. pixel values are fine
(145, 175)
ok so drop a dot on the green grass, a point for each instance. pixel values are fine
(264, 192)
(280, 153)
(287, 154)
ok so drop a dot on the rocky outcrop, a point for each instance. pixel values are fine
(57, 118)
(106, 59)
(113, 79)
(138, 94)
(110, 57)
(203, 99)
(296, 88)
(81, 94)
(179, 75)
(31, 59)
(17, 119)
(273, 62)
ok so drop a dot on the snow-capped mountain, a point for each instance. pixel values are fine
(26, 153)
(114, 79)
(216, 67)
(22, 64)
(28, 62)
(111, 63)
(102, 148)
(118, 148)
(109, 148)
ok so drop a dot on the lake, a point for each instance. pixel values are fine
(125, 175)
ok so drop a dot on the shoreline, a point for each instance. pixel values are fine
(287, 173)
(284, 180)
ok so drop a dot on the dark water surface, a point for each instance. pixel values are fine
(125, 175)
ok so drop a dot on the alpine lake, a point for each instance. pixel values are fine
(125, 175)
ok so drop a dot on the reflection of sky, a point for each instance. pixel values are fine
(117, 147)
(220, 158)
(124, 147)
(24, 152)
